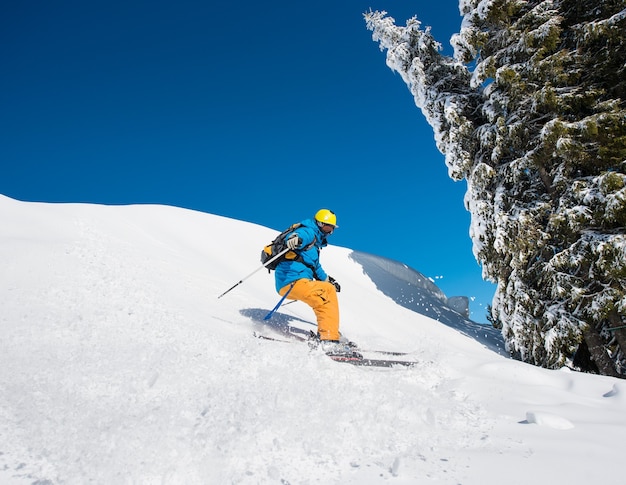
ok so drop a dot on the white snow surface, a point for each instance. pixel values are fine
(119, 365)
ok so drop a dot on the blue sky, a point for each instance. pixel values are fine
(259, 111)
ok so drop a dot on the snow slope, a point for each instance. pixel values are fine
(119, 365)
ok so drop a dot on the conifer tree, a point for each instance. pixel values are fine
(531, 112)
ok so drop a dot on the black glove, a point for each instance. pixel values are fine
(334, 282)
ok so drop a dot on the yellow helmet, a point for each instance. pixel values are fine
(326, 216)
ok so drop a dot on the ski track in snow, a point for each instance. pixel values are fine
(119, 365)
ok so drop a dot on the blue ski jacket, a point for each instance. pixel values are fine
(289, 271)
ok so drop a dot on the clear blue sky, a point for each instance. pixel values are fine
(259, 111)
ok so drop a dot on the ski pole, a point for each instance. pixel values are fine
(258, 269)
(269, 315)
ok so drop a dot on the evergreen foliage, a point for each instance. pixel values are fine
(531, 112)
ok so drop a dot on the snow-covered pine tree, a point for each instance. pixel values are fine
(531, 112)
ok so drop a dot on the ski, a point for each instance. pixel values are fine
(365, 362)
(352, 359)
(273, 339)
(384, 352)
(295, 333)
(292, 336)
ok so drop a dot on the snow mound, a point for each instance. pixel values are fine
(411, 289)
(547, 419)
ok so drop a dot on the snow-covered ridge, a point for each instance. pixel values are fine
(118, 364)
(411, 289)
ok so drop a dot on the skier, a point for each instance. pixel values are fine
(304, 278)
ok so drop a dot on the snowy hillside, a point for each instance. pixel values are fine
(119, 365)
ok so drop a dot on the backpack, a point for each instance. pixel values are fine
(278, 245)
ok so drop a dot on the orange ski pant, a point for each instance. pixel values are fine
(321, 296)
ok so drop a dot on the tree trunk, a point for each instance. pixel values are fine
(618, 329)
(598, 353)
